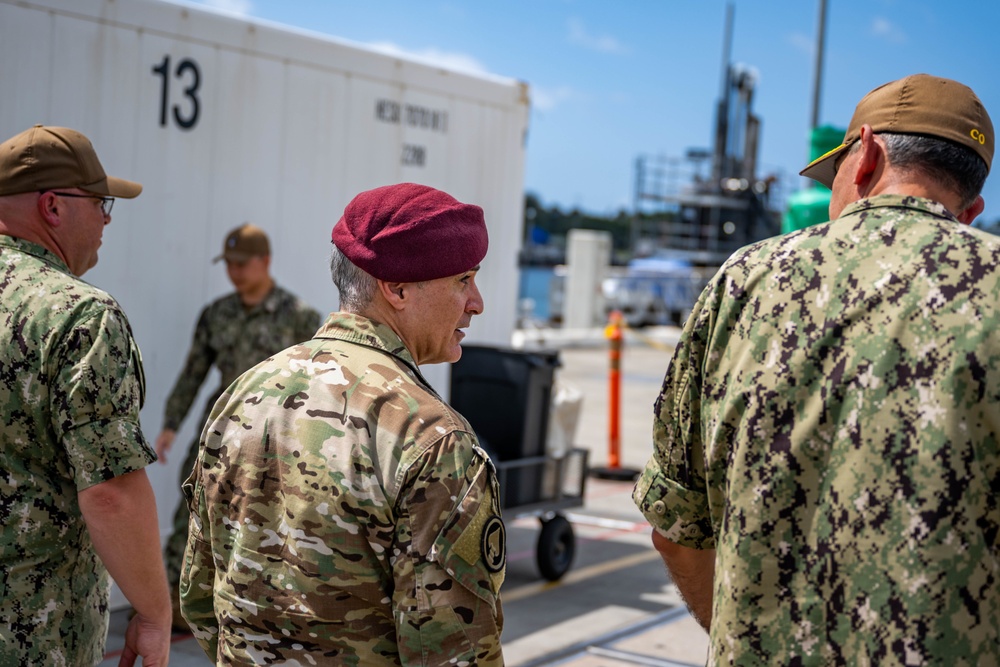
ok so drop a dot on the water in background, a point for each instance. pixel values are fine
(535, 286)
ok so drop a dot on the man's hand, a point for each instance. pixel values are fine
(163, 443)
(148, 639)
(122, 522)
(693, 571)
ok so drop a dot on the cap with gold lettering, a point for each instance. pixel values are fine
(916, 104)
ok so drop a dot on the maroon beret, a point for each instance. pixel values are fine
(409, 232)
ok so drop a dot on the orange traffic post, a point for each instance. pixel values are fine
(613, 332)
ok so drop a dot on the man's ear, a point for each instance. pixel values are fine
(49, 208)
(394, 293)
(868, 160)
(972, 212)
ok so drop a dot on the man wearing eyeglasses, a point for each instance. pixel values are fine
(233, 333)
(75, 502)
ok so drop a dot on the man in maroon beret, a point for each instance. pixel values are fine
(342, 512)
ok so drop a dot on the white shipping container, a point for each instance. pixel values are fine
(225, 120)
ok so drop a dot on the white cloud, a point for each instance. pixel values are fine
(234, 6)
(802, 42)
(887, 30)
(604, 43)
(546, 99)
(457, 62)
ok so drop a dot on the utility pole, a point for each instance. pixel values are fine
(720, 165)
(818, 74)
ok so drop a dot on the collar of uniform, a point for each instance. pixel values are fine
(358, 329)
(30, 248)
(900, 201)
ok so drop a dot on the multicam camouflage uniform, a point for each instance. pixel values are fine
(830, 424)
(343, 514)
(71, 387)
(234, 339)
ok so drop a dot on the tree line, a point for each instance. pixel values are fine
(548, 227)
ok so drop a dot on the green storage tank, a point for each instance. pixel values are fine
(811, 205)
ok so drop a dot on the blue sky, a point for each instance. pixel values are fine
(613, 80)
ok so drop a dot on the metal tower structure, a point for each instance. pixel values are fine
(703, 212)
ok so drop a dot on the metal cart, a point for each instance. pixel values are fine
(505, 394)
(562, 486)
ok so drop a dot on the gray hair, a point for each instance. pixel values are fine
(956, 167)
(356, 287)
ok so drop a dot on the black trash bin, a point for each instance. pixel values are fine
(505, 394)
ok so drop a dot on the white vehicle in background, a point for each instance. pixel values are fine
(655, 290)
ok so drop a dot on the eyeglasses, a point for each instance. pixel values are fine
(106, 202)
(840, 158)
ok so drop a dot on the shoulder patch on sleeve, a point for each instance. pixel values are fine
(472, 536)
(494, 546)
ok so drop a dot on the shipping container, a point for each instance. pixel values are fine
(226, 120)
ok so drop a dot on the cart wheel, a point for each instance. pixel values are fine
(556, 547)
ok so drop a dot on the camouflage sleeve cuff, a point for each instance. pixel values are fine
(100, 451)
(196, 589)
(679, 514)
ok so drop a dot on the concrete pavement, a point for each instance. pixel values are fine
(615, 606)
